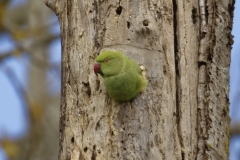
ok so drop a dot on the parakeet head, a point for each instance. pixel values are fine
(109, 63)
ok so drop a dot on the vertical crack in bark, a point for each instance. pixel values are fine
(178, 85)
(65, 77)
(202, 80)
(94, 154)
(96, 25)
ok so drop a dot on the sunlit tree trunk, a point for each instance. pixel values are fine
(185, 48)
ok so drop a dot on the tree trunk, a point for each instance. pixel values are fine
(185, 48)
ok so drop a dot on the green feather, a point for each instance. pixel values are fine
(122, 76)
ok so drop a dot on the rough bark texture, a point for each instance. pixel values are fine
(185, 48)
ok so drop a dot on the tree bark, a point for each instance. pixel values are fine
(185, 48)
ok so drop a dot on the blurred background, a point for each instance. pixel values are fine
(30, 56)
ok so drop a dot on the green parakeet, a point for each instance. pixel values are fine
(122, 76)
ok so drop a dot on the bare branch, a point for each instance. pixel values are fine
(5, 55)
(52, 5)
(235, 129)
(13, 79)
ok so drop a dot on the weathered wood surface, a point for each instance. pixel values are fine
(183, 113)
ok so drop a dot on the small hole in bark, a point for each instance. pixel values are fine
(164, 70)
(119, 10)
(98, 126)
(158, 14)
(183, 155)
(145, 23)
(86, 85)
(201, 63)
(203, 34)
(72, 139)
(112, 133)
(85, 149)
(128, 24)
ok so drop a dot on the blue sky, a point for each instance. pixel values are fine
(13, 116)
(235, 66)
(235, 82)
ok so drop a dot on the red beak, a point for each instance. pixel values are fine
(97, 68)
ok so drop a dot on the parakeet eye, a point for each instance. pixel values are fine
(107, 60)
